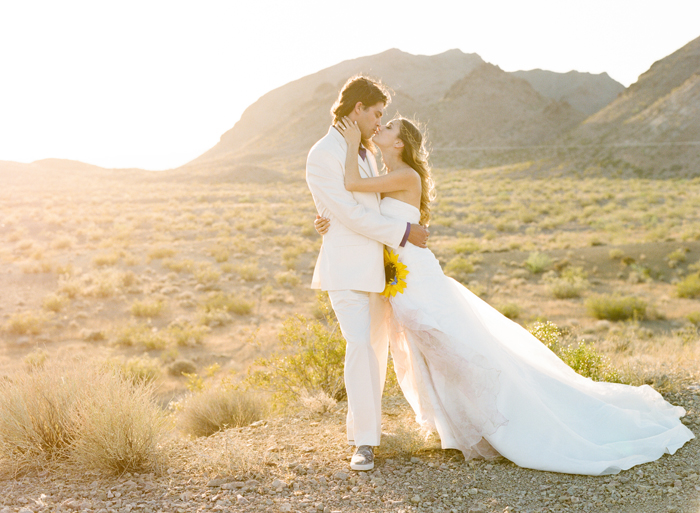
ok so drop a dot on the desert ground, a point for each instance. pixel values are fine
(187, 284)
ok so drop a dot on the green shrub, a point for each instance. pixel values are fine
(141, 335)
(615, 307)
(510, 310)
(187, 334)
(582, 358)
(311, 359)
(160, 253)
(694, 317)
(538, 262)
(55, 302)
(138, 369)
(214, 410)
(572, 282)
(26, 323)
(147, 308)
(288, 279)
(36, 359)
(459, 268)
(227, 303)
(689, 287)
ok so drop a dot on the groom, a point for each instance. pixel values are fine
(350, 265)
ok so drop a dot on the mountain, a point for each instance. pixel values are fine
(464, 101)
(293, 117)
(489, 107)
(662, 106)
(586, 92)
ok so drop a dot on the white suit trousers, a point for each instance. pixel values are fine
(361, 316)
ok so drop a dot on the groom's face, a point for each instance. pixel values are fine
(369, 119)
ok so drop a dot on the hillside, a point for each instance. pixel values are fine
(586, 92)
(490, 107)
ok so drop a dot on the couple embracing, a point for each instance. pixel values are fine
(484, 383)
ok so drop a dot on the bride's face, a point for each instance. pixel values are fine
(388, 135)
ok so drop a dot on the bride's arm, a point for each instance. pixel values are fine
(398, 180)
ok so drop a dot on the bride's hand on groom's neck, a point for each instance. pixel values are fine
(351, 132)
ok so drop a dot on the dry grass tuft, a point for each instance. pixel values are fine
(121, 426)
(26, 323)
(208, 412)
(147, 308)
(89, 415)
(615, 307)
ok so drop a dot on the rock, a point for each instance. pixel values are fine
(415, 460)
(340, 476)
(416, 499)
(241, 500)
(22, 510)
(258, 423)
(278, 483)
(215, 483)
(233, 485)
(286, 507)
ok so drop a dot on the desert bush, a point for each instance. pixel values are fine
(55, 302)
(147, 308)
(616, 254)
(217, 409)
(219, 253)
(186, 334)
(213, 318)
(37, 417)
(36, 359)
(62, 242)
(159, 253)
(140, 335)
(676, 257)
(459, 268)
(138, 369)
(69, 287)
(288, 279)
(510, 310)
(318, 402)
(227, 303)
(26, 323)
(105, 259)
(694, 317)
(178, 266)
(572, 282)
(582, 358)
(689, 286)
(311, 359)
(121, 426)
(206, 274)
(538, 262)
(249, 271)
(464, 246)
(615, 307)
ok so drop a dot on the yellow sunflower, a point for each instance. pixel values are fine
(395, 273)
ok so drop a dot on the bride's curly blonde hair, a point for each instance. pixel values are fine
(415, 154)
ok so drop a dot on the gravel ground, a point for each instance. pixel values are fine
(301, 464)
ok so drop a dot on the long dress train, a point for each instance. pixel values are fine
(489, 387)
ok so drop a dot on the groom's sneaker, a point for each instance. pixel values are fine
(363, 459)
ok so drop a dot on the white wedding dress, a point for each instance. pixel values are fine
(489, 387)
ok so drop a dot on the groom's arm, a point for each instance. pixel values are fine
(324, 175)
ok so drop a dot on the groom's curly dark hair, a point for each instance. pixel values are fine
(359, 88)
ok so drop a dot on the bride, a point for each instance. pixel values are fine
(482, 381)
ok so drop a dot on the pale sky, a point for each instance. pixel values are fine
(154, 84)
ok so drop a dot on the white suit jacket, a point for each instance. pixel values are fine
(352, 254)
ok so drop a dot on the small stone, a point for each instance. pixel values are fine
(241, 500)
(22, 510)
(677, 483)
(286, 507)
(215, 483)
(278, 483)
(258, 423)
(340, 476)
(233, 485)
(415, 460)
(416, 499)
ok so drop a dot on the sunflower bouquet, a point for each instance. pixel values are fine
(395, 273)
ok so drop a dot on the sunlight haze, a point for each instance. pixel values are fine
(155, 84)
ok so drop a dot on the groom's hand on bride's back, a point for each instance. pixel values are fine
(419, 236)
